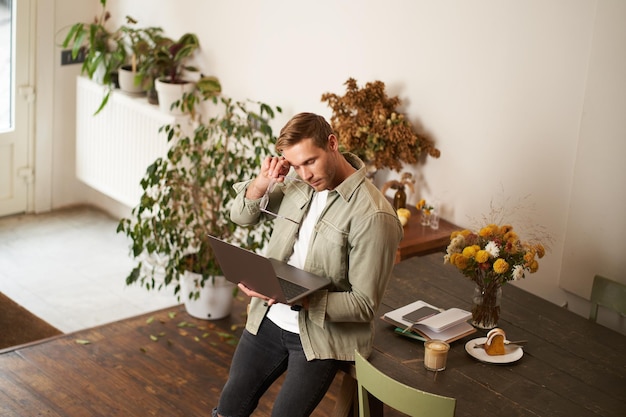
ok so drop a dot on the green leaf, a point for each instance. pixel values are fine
(104, 102)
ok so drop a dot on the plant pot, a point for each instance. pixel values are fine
(127, 80)
(153, 97)
(171, 93)
(115, 79)
(216, 297)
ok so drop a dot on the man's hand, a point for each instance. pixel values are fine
(273, 168)
(251, 293)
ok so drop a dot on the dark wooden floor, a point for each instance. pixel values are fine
(161, 364)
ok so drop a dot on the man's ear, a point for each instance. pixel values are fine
(333, 142)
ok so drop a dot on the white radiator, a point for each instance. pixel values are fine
(114, 147)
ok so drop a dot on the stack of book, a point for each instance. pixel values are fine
(424, 321)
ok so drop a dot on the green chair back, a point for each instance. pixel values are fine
(408, 400)
(607, 293)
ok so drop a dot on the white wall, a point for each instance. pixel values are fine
(595, 227)
(515, 94)
(56, 183)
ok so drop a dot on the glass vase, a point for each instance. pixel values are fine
(425, 220)
(486, 306)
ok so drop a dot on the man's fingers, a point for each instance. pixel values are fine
(251, 293)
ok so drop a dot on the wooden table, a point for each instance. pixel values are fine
(570, 367)
(420, 240)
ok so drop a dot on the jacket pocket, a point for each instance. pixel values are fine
(331, 248)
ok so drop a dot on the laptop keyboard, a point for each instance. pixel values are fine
(291, 289)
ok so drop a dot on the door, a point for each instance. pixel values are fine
(16, 106)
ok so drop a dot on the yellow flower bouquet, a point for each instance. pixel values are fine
(494, 254)
(491, 257)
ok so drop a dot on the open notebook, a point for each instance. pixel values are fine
(448, 325)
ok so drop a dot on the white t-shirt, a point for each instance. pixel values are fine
(281, 314)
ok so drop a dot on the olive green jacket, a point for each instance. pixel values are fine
(354, 244)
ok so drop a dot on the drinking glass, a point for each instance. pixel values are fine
(435, 355)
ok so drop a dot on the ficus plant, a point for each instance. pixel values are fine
(187, 194)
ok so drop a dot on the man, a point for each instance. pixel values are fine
(331, 221)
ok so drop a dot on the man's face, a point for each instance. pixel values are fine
(315, 165)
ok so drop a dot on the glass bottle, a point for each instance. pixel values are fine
(399, 198)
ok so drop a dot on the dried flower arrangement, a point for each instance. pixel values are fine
(368, 125)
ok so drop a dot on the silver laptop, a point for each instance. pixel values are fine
(270, 277)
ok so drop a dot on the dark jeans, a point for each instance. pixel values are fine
(259, 360)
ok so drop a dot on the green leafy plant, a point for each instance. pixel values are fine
(187, 194)
(167, 58)
(171, 56)
(166, 61)
(139, 43)
(107, 49)
(103, 48)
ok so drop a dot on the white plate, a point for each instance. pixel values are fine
(480, 354)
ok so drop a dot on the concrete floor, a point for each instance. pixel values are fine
(69, 268)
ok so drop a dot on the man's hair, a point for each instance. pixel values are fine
(304, 126)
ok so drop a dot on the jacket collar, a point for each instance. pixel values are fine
(348, 187)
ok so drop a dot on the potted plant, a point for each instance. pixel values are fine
(187, 195)
(103, 48)
(369, 125)
(140, 43)
(166, 66)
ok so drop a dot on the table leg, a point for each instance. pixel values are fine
(346, 405)
(376, 406)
